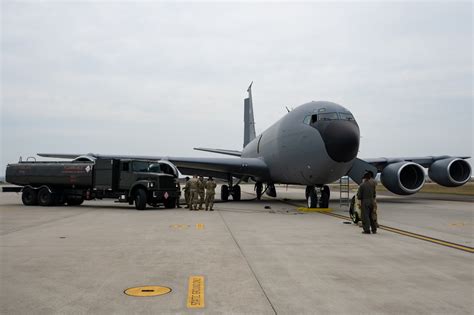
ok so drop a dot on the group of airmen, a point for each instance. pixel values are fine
(197, 191)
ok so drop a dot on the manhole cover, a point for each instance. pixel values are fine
(148, 290)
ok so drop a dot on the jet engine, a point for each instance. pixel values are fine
(450, 172)
(403, 178)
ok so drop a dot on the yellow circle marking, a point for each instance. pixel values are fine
(148, 290)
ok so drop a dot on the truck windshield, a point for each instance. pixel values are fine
(139, 166)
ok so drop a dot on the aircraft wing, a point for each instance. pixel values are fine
(220, 151)
(217, 167)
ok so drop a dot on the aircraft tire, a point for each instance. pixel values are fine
(224, 193)
(236, 193)
(29, 196)
(312, 199)
(140, 199)
(45, 198)
(325, 195)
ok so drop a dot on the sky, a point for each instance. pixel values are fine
(159, 78)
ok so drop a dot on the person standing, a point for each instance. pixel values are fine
(373, 182)
(201, 191)
(193, 193)
(178, 187)
(366, 195)
(186, 191)
(210, 193)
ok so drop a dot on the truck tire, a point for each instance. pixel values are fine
(29, 196)
(45, 197)
(140, 199)
(75, 201)
(170, 203)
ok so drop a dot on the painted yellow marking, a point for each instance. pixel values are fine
(148, 290)
(179, 226)
(405, 233)
(196, 292)
(303, 209)
(200, 226)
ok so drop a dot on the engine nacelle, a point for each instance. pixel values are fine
(403, 178)
(450, 172)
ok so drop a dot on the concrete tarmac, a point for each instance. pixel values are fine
(257, 257)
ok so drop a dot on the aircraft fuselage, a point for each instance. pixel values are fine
(314, 144)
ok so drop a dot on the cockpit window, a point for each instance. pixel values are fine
(310, 120)
(328, 116)
(346, 116)
(307, 120)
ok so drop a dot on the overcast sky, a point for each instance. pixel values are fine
(162, 78)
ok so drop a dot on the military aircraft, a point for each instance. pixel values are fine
(312, 145)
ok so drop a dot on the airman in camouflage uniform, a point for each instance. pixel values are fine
(187, 193)
(210, 193)
(192, 186)
(201, 191)
(366, 194)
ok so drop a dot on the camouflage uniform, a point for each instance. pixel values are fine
(201, 191)
(187, 193)
(210, 193)
(192, 185)
(373, 182)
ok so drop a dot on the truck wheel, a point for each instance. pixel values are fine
(45, 198)
(236, 193)
(224, 192)
(140, 199)
(170, 203)
(29, 196)
(75, 201)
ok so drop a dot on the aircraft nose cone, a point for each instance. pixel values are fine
(342, 140)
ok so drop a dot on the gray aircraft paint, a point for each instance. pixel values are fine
(295, 152)
(288, 152)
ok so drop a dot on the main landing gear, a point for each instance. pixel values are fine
(230, 190)
(318, 193)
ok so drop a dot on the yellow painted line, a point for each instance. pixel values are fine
(148, 290)
(303, 209)
(200, 226)
(406, 233)
(196, 292)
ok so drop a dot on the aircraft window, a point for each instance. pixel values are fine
(314, 119)
(346, 116)
(328, 116)
(307, 120)
(126, 166)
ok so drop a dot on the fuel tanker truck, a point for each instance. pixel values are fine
(139, 182)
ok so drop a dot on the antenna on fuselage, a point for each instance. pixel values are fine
(249, 121)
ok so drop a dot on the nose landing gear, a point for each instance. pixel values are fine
(230, 190)
(318, 193)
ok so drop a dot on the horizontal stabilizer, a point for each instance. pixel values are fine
(221, 151)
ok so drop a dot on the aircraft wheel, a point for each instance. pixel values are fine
(140, 199)
(45, 198)
(29, 196)
(325, 194)
(236, 193)
(308, 190)
(312, 199)
(224, 192)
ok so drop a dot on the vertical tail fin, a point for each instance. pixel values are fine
(249, 121)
